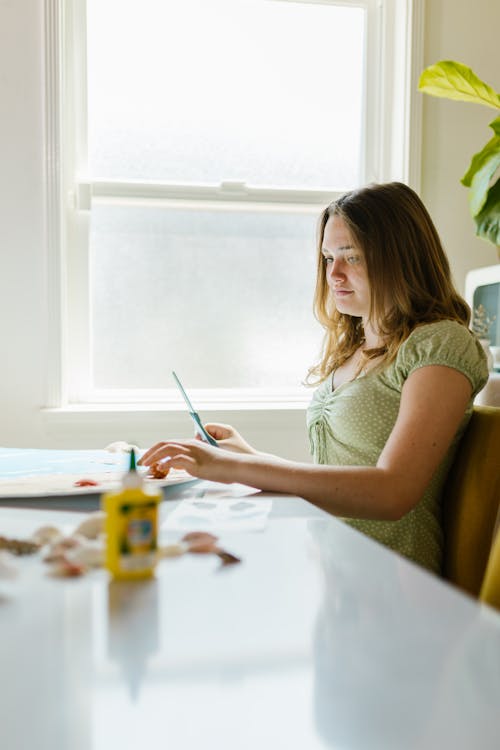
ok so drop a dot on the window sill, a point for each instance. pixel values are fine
(272, 427)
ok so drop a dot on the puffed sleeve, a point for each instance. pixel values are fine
(447, 343)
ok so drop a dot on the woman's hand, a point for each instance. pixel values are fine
(228, 438)
(197, 458)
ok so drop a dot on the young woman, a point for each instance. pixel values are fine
(397, 379)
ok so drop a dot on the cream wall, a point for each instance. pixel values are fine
(459, 29)
(22, 249)
(466, 31)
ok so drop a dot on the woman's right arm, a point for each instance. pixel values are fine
(433, 403)
(226, 436)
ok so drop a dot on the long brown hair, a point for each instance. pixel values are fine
(406, 264)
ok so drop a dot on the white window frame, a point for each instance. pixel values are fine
(392, 152)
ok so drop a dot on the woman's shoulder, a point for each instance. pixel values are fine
(440, 328)
(444, 342)
(440, 337)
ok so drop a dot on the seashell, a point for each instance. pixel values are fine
(89, 555)
(200, 542)
(65, 568)
(60, 547)
(172, 550)
(18, 546)
(202, 548)
(46, 535)
(74, 540)
(227, 558)
(54, 556)
(199, 536)
(92, 526)
(120, 446)
(158, 470)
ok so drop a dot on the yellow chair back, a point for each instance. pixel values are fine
(471, 501)
(490, 590)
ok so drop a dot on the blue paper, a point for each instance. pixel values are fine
(22, 462)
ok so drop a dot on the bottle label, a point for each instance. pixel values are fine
(137, 538)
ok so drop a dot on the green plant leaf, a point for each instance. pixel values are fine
(495, 125)
(489, 153)
(488, 220)
(482, 168)
(453, 80)
(479, 159)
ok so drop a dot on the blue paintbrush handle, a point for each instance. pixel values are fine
(201, 430)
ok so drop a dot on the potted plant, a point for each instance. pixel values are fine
(453, 80)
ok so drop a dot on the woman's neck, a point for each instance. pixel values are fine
(372, 338)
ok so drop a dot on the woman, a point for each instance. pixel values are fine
(398, 375)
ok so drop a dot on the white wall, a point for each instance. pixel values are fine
(23, 259)
(455, 29)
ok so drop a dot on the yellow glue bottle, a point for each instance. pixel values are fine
(131, 527)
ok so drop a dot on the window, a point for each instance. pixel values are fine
(198, 142)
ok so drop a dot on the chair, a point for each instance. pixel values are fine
(471, 500)
(490, 589)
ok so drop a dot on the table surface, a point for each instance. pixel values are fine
(320, 638)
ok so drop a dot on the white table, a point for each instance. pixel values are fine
(320, 638)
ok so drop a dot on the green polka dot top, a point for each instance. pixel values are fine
(350, 425)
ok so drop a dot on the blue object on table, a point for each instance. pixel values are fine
(33, 462)
(22, 462)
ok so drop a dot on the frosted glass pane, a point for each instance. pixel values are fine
(224, 298)
(197, 91)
